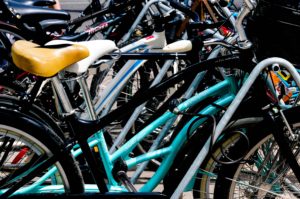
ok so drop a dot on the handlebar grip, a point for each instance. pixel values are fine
(186, 10)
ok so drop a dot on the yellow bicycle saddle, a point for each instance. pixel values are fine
(46, 61)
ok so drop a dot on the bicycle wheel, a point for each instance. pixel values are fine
(25, 143)
(263, 173)
(206, 177)
(184, 159)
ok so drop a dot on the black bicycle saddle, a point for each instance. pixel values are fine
(35, 2)
(33, 14)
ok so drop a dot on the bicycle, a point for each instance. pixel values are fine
(170, 81)
(182, 134)
(156, 40)
(126, 152)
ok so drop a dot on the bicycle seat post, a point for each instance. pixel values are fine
(62, 95)
(87, 97)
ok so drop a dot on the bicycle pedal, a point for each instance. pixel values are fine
(122, 176)
(119, 173)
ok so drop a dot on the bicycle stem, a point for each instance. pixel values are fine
(243, 41)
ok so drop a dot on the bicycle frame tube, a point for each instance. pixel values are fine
(104, 154)
(139, 109)
(178, 143)
(217, 90)
(81, 126)
(169, 124)
(77, 22)
(111, 92)
(223, 89)
(139, 98)
(138, 19)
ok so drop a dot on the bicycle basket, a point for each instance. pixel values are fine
(275, 29)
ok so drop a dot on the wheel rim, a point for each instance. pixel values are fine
(19, 152)
(265, 175)
(208, 174)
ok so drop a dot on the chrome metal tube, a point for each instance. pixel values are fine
(62, 95)
(87, 98)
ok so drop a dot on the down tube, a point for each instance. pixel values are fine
(217, 90)
(178, 143)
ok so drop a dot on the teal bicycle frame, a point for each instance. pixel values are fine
(224, 90)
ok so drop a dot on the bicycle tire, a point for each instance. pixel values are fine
(34, 135)
(184, 159)
(233, 182)
(205, 178)
(36, 112)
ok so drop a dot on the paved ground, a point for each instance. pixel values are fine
(73, 4)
